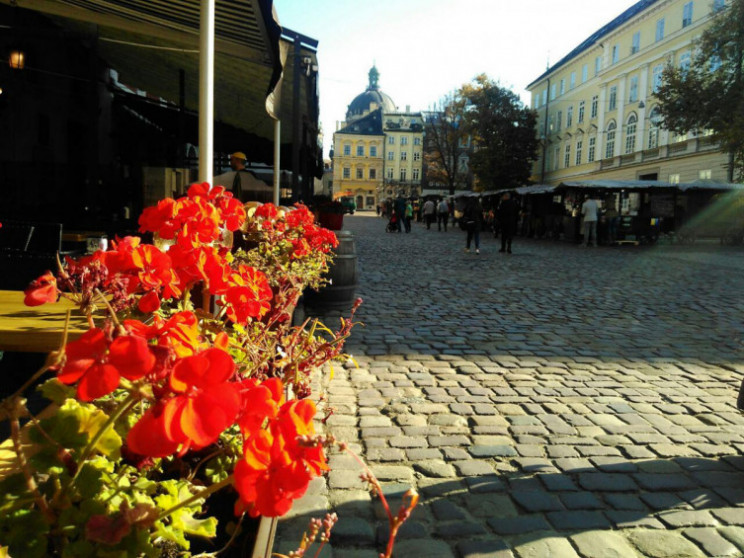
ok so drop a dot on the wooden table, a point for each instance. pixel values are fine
(36, 329)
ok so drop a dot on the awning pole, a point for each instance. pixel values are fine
(277, 156)
(206, 91)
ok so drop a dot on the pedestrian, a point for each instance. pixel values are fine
(408, 215)
(400, 211)
(590, 213)
(429, 210)
(442, 215)
(472, 221)
(508, 214)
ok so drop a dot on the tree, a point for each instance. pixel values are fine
(503, 130)
(709, 93)
(446, 137)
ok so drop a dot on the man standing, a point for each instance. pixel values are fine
(442, 215)
(429, 210)
(590, 213)
(507, 214)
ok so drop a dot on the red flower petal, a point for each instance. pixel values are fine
(149, 303)
(98, 380)
(132, 356)
(147, 436)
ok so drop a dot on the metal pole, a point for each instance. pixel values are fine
(206, 91)
(277, 158)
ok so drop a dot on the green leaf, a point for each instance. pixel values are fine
(25, 533)
(89, 482)
(56, 391)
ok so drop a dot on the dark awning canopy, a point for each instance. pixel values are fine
(710, 185)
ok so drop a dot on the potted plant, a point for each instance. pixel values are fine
(161, 403)
(330, 213)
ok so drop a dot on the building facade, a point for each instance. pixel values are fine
(377, 150)
(598, 117)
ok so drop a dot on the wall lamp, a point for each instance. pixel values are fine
(17, 59)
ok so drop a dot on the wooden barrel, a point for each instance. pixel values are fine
(340, 293)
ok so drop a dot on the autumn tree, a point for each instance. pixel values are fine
(504, 133)
(446, 142)
(708, 94)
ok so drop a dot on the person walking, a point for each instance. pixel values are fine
(408, 215)
(442, 215)
(400, 211)
(472, 219)
(508, 214)
(429, 210)
(590, 213)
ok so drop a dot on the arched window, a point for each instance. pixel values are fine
(684, 61)
(610, 141)
(654, 123)
(630, 133)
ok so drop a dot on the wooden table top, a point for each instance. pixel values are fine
(37, 329)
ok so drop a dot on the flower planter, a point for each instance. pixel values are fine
(340, 292)
(332, 221)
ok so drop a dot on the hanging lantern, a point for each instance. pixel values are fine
(17, 59)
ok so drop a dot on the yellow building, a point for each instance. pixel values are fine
(377, 151)
(598, 117)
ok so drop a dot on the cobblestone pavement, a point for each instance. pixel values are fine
(557, 402)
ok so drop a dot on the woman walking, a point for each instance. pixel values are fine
(473, 222)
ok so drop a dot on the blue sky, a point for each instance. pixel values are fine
(425, 49)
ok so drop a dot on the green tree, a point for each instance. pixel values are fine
(504, 132)
(709, 94)
(446, 140)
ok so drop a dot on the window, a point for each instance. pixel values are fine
(556, 157)
(597, 65)
(360, 151)
(592, 147)
(462, 164)
(573, 80)
(630, 134)
(633, 94)
(673, 179)
(705, 174)
(569, 117)
(416, 141)
(559, 121)
(610, 145)
(567, 157)
(404, 140)
(551, 120)
(402, 175)
(718, 5)
(635, 44)
(660, 30)
(563, 87)
(347, 172)
(613, 98)
(347, 149)
(403, 156)
(391, 140)
(545, 96)
(373, 151)
(360, 173)
(415, 173)
(584, 73)
(578, 151)
(687, 14)
(615, 54)
(654, 119)
(684, 61)
(417, 155)
(391, 156)
(595, 105)
(390, 173)
(580, 118)
(553, 89)
(657, 73)
(372, 174)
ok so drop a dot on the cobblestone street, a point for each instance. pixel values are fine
(558, 402)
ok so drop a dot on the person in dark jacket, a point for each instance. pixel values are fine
(507, 215)
(473, 219)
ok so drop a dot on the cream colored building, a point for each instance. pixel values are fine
(598, 117)
(377, 150)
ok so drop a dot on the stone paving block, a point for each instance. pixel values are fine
(435, 468)
(729, 516)
(557, 482)
(687, 518)
(712, 542)
(733, 534)
(492, 451)
(663, 544)
(429, 548)
(581, 501)
(544, 545)
(702, 498)
(384, 454)
(519, 524)
(578, 520)
(663, 482)
(632, 519)
(603, 544)
(607, 482)
(473, 467)
(409, 530)
(484, 484)
(459, 529)
(352, 531)
(621, 501)
(445, 510)
(449, 441)
(484, 549)
(537, 501)
(490, 505)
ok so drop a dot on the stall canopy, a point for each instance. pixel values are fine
(535, 189)
(650, 185)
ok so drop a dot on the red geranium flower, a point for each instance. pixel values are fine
(98, 363)
(41, 290)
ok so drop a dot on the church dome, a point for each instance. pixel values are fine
(363, 103)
